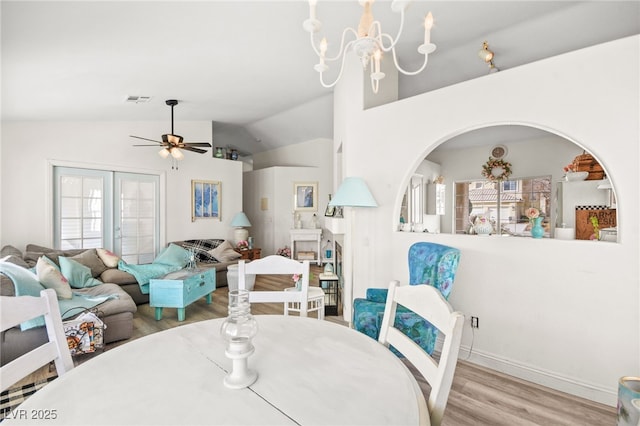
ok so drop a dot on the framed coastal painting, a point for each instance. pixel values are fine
(305, 196)
(205, 199)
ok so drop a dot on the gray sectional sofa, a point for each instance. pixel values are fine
(117, 313)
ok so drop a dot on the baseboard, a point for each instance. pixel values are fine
(553, 380)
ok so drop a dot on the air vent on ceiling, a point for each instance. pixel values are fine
(138, 99)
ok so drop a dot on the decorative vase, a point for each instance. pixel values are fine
(219, 153)
(537, 231)
(238, 330)
(482, 225)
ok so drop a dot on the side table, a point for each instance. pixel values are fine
(181, 288)
(249, 254)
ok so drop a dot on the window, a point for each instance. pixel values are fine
(504, 203)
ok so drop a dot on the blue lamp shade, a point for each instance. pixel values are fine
(240, 220)
(353, 192)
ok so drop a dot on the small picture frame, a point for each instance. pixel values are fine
(305, 196)
(330, 211)
(205, 199)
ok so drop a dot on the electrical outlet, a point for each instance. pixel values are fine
(475, 322)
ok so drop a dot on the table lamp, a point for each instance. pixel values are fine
(240, 221)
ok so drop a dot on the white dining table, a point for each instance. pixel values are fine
(310, 372)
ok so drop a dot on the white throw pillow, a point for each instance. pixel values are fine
(51, 277)
(225, 252)
(108, 258)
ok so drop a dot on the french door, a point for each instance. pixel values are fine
(100, 208)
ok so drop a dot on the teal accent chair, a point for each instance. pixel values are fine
(429, 263)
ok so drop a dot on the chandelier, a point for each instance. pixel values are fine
(369, 42)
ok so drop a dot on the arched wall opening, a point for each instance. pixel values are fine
(569, 197)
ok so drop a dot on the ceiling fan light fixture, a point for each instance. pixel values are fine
(172, 139)
(176, 153)
(164, 153)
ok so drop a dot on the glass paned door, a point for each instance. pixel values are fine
(81, 219)
(137, 222)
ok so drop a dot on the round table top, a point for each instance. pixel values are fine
(309, 372)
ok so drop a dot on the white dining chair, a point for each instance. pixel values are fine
(16, 310)
(304, 300)
(427, 302)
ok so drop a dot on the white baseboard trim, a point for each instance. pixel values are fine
(553, 380)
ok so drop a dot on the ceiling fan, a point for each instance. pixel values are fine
(172, 144)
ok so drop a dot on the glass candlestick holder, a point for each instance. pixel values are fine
(238, 330)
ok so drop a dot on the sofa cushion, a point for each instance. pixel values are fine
(9, 250)
(79, 276)
(50, 276)
(225, 252)
(117, 276)
(118, 302)
(110, 259)
(91, 259)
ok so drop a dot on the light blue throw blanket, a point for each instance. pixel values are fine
(172, 258)
(26, 283)
(146, 272)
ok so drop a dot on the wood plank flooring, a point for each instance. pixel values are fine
(479, 396)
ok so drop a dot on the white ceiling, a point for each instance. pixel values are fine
(248, 66)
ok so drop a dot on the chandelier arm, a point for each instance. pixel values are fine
(330, 85)
(381, 34)
(403, 71)
(343, 47)
(395, 61)
(313, 45)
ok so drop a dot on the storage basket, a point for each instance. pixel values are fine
(586, 163)
(85, 333)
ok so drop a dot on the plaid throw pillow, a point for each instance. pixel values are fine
(201, 249)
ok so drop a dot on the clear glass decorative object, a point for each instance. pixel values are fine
(238, 330)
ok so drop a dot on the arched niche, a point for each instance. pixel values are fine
(532, 152)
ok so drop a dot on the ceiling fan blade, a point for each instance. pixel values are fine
(146, 139)
(198, 150)
(145, 145)
(207, 144)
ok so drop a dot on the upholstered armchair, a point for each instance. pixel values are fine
(429, 263)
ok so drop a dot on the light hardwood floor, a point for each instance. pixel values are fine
(479, 396)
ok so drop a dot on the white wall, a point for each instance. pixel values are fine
(562, 313)
(273, 176)
(28, 147)
(271, 227)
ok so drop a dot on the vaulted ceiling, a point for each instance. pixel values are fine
(248, 66)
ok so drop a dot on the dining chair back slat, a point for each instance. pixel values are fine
(16, 310)
(427, 302)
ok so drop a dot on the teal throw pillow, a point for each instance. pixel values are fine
(79, 276)
(25, 282)
(173, 255)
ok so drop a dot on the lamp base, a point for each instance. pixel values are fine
(240, 234)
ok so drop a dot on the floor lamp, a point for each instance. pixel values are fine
(353, 192)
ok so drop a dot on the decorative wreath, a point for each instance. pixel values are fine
(494, 163)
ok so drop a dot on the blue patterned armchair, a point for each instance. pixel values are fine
(429, 263)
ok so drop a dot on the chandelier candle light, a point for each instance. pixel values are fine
(368, 42)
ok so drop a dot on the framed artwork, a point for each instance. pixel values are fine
(330, 211)
(305, 196)
(205, 199)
